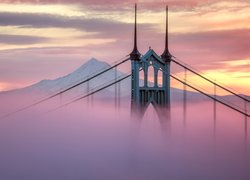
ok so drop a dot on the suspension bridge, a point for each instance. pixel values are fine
(158, 95)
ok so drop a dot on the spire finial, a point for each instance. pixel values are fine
(166, 55)
(166, 43)
(135, 55)
(135, 35)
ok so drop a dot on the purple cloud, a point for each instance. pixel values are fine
(21, 39)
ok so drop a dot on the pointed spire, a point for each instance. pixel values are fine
(166, 55)
(135, 32)
(166, 38)
(135, 55)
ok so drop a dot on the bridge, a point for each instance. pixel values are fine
(152, 92)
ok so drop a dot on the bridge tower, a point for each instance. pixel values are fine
(144, 92)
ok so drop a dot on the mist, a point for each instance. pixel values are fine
(97, 139)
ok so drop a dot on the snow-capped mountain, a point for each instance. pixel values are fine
(46, 88)
(88, 69)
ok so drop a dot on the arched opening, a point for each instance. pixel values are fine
(141, 77)
(151, 126)
(160, 78)
(150, 76)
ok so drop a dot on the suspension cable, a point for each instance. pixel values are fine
(65, 90)
(209, 80)
(196, 89)
(242, 112)
(104, 86)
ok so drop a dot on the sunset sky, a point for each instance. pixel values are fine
(45, 39)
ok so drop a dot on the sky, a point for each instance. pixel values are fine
(46, 39)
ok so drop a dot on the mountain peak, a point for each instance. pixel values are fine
(93, 64)
(88, 68)
(93, 60)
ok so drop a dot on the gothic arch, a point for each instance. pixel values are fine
(156, 70)
(141, 77)
(160, 74)
(151, 75)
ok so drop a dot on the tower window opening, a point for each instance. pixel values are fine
(160, 78)
(150, 76)
(141, 77)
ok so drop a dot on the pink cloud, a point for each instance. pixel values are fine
(110, 4)
(200, 50)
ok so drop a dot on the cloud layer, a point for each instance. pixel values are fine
(202, 33)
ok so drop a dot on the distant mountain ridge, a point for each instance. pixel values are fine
(88, 69)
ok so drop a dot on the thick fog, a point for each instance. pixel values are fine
(98, 140)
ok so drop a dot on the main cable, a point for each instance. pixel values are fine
(65, 90)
